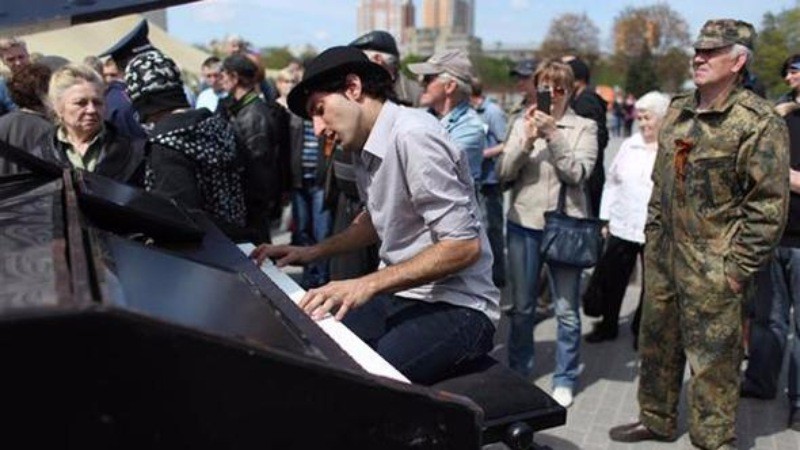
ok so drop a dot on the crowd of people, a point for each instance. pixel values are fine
(397, 190)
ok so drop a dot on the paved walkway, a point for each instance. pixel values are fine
(607, 395)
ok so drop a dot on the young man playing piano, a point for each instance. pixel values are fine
(432, 306)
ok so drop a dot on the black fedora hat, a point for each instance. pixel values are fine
(325, 67)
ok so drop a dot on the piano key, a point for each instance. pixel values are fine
(362, 353)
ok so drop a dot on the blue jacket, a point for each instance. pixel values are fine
(466, 129)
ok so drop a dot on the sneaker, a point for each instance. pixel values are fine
(563, 396)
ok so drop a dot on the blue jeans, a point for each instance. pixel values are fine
(312, 224)
(491, 203)
(425, 341)
(777, 302)
(524, 264)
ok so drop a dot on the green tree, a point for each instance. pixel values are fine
(493, 72)
(641, 76)
(778, 38)
(276, 58)
(605, 73)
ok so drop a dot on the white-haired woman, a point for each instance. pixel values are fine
(624, 205)
(81, 138)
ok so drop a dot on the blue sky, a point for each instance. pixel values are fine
(323, 23)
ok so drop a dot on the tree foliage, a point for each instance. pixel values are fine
(657, 35)
(572, 34)
(277, 58)
(657, 27)
(641, 77)
(778, 38)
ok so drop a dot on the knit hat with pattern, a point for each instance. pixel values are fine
(154, 83)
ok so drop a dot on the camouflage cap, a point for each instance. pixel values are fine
(747, 34)
(724, 32)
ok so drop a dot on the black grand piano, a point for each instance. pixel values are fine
(127, 321)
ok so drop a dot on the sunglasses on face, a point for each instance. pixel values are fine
(555, 90)
(428, 79)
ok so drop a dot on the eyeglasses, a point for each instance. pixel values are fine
(428, 79)
(706, 53)
(556, 90)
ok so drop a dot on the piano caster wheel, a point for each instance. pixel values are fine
(519, 436)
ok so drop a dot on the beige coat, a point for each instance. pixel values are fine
(537, 173)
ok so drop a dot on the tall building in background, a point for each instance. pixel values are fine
(394, 16)
(446, 24)
(457, 16)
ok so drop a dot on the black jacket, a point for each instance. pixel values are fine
(591, 106)
(194, 160)
(22, 129)
(791, 235)
(262, 134)
(121, 158)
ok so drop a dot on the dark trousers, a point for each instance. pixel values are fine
(611, 276)
(775, 326)
(425, 341)
(491, 203)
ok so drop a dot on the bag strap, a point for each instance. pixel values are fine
(562, 197)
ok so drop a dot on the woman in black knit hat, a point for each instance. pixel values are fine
(193, 157)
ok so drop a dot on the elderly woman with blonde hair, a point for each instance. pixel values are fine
(81, 138)
(624, 206)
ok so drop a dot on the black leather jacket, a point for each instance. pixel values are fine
(262, 133)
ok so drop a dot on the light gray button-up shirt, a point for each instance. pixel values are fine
(418, 190)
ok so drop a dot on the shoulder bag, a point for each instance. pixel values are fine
(571, 241)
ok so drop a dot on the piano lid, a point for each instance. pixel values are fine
(162, 285)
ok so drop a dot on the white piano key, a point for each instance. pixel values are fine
(362, 353)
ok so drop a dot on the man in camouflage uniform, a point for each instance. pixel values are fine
(719, 204)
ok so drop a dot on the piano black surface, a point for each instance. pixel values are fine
(118, 352)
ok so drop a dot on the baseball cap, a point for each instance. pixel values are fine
(454, 62)
(524, 68)
(718, 33)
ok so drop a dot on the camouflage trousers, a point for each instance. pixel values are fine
(690, 314)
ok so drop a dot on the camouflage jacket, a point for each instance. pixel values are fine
(722, 177)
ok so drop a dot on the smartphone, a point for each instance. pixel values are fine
(543, 100)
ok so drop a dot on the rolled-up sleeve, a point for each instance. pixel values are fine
(440, 185)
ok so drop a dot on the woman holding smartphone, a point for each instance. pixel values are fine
(548, 145)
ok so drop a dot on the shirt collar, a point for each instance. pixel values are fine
(61, 134)
(717, 106)
(455, 114)
(379, 136)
